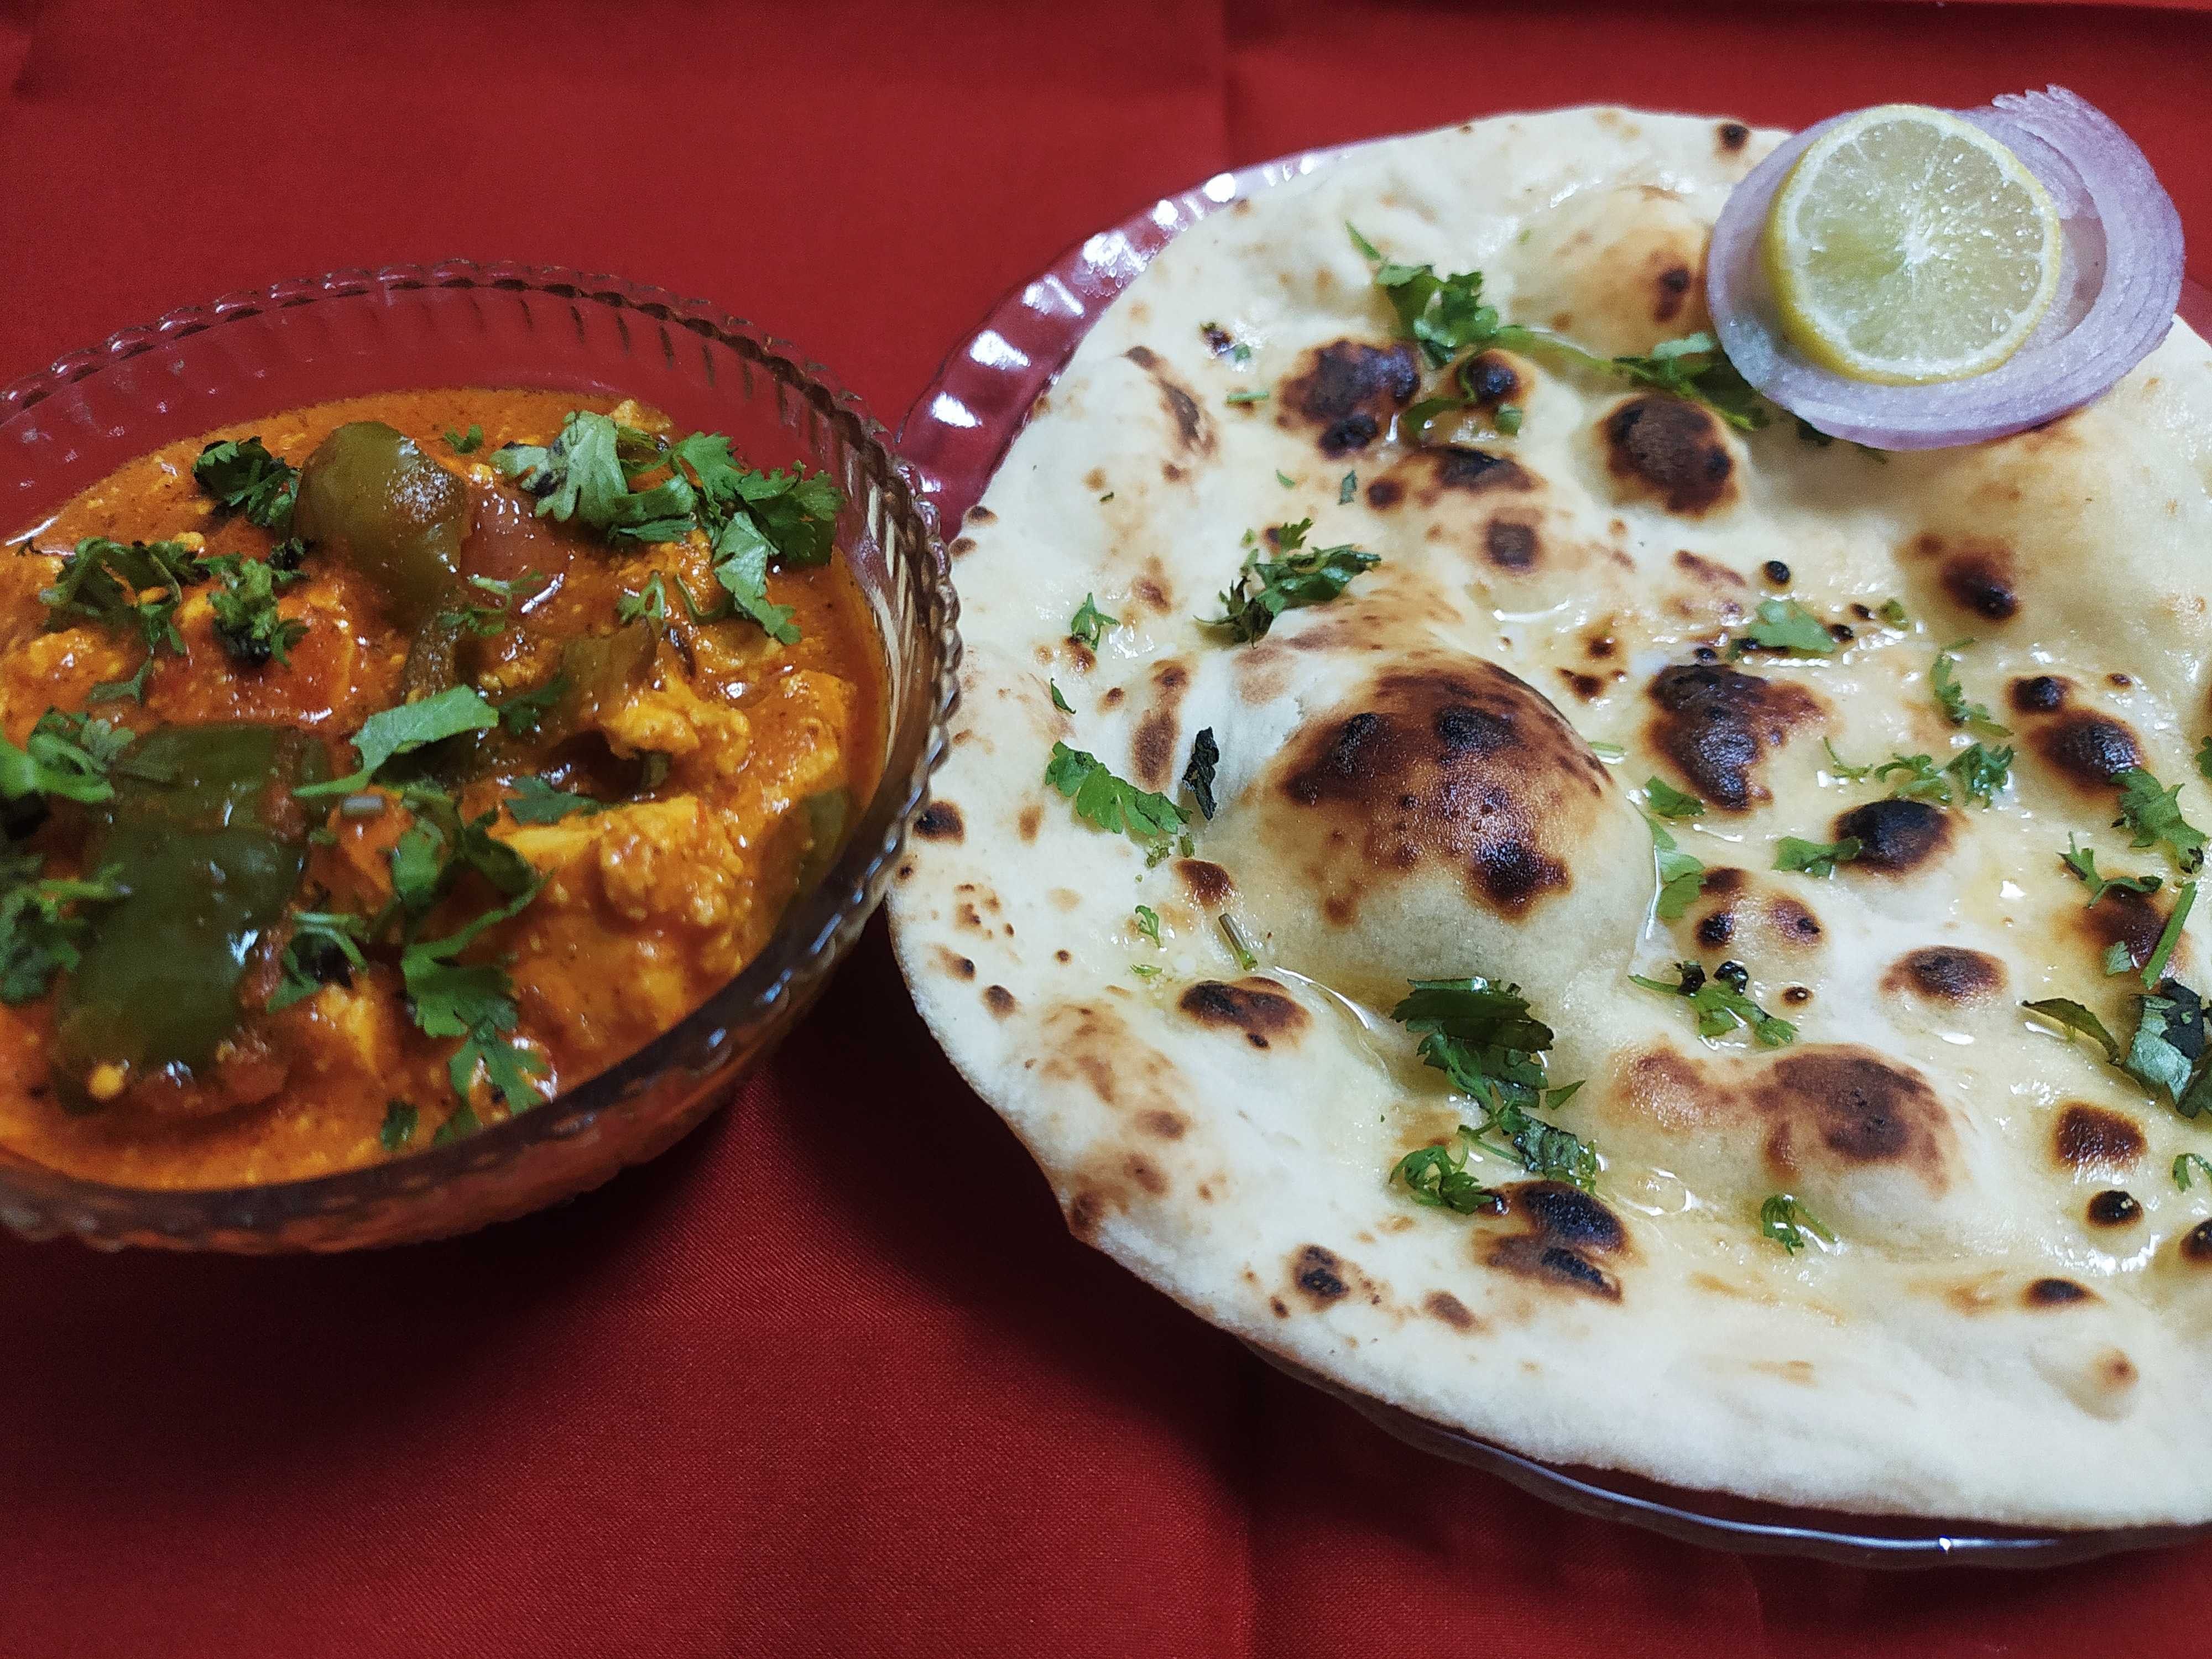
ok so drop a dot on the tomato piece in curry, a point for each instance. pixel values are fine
(384, 767)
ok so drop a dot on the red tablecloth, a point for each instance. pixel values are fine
(830, 1378)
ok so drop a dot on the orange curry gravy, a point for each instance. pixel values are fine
(714, 754)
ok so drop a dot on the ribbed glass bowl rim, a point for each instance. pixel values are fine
(807, 943)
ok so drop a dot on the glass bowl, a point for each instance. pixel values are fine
(355, 332)
(954, 436)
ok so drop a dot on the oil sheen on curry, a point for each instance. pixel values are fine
(385, 768)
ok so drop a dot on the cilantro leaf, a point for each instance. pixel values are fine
(1814, 858)
(2181, 1168)
(2072, 1018)
(1148, 922)
(1198, 776)
(1090, 624)
(42, 920)
(1349, 488)
(1696, 368)
(1981, 771)
(465, 443)
(399, 1117)
(460, 1125)
(1265, 588)
(2169, 936)
(1057, 701)
(536, 801)
(476, 1003)
(2154, 815)
(243, 476)
(1723, 1002)
(1668, 802)
(1784, 1219)
(519, 714)
(402, 730)
(1246, 396)
(2168, 1043)
(325, 948)
(1437, 1177)
(795, 513)
(2082, 861)
(247, 621)
(1111, 803)
(2204, 760)
(649, 603)
(64, 755)
(1681, 876)
(1951, 696)
(1785, 625)
(741, 554)
(101, 581)
(582, 474)
(1482, 1035)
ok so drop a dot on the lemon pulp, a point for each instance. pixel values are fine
(1907, 246)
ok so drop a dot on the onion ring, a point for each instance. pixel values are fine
(2117, 289)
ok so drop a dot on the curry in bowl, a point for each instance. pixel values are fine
(387, 767)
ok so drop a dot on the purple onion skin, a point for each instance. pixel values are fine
(2117, 289)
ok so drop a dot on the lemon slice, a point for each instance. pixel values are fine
(1907, 246)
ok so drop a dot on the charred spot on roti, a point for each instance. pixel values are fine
(1510, 545)
(1193, 432)
(1166, 1124)
(1894, 836)
(1707, 573)
(1153, 748)
(1728, 879)
(1350, 392)
(1476, 471)
(1384, 494)
(2114, 1208)
(2039, 694)
(1840, 1107)
(1563, 1228)
(1671, 451)
(2056, 1293)
(1000, 1000)
(1717, 929)
(981, 515)
(2197, 1245)
(1671, 287)
(939, 821)
(1945, 973)
(2131, 920)
(2089, 750)
(1732, 137)
(961, 546)
(1491, 378)
(2090, 1137)
(1983, 579)
(1207, 881)
(954, 964)
(1791, 922)
(1146, 1174)
(1319, 1275)
(1027, 824)
(1462, 764)
(1255, 1006)
(1585, 686)
(1718, 724)
(1151, 591)
(1443, 1304)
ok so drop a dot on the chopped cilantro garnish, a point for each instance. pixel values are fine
(1111, 803)
(1784, 1219)
(536, 801)
(402, 730)
(243, 476)
(102, 582)
(64, 755)
(1239, 947)
(246, 620)
(42, 920)
(399, 1118)
(465, 443)
(1681, 876)
(2154, 815)
(1893, 614)
(1265, 588)
(584, 474)
(1285, 480)
(1481, 1034)
(741, 554)
(1246, 398)
(1349, 488)
(2185, 899)
(1814, 858)
(1509, 420)
(2071, 1017)
(1198, 776)
(1057, 701)
(325, 948)
(649, 603)
(1668, 802)
(1981, 771)
(1723, 1002)
(2082, 861)
(2181, 1168)
(460, 1125)
(476, 1003)
(519, 714)
(1785, 625)
(1951, 696)
(1090, 624)
(1437, 1177)
(1148, 922)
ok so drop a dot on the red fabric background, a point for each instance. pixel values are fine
(830, 1378)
